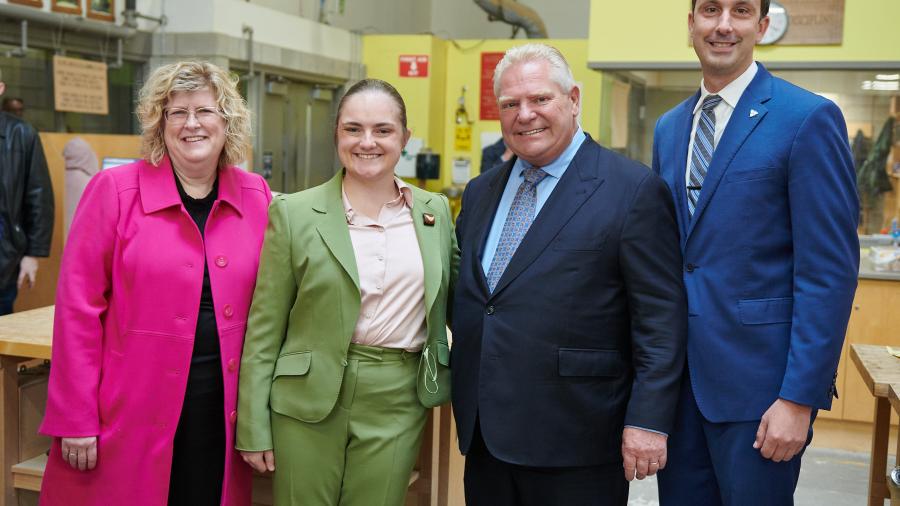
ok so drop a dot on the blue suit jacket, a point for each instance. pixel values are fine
(585, 329)
(771, 254)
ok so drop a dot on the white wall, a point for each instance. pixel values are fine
(449, 19)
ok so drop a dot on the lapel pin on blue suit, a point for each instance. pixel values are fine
(428, 219)
(753, 112)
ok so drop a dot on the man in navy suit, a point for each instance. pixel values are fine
(570, 318)
(762, 177)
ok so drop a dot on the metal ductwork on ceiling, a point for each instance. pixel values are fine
(516, 14)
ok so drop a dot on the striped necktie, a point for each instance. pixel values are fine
(521, 214)
(702, 152)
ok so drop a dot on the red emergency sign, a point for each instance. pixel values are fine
(414, 65)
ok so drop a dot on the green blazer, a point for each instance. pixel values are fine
(307, 302)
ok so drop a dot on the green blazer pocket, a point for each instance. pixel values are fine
(433, 379)
(291, 387)
(293, 364)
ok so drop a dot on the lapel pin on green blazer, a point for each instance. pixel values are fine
(428, 219)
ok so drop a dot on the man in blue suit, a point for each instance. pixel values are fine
(569, 315)
(764, 188)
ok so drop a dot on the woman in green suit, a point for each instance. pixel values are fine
(346, 343)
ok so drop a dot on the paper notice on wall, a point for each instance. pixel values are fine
(462, 140)
(80, 86)
(406, 166)
(462, 170)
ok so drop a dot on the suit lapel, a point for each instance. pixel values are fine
(332, 226)
(580, 180)
(429, 244)
(683, 122)
(484, 216)
(741, 124)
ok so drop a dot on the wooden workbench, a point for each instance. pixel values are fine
(28, 335)
(879, 369)
(23, 336)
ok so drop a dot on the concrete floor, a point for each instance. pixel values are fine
(827, 478)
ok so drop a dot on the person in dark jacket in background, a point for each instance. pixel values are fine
(26, 206)
(494, 155)
(14, 106)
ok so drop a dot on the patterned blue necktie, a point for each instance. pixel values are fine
(521, 214)
(704, 146)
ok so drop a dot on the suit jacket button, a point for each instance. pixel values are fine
(232, 365)
(221, 261)
(233, 416)
(227, 310)
(690, 267)
(490, 310)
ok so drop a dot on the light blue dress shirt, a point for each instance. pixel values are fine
(554, 171)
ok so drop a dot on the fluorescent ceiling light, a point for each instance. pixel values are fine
(888, 77)
(881, 85)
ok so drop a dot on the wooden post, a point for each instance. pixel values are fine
(9, 425)
(878, 490)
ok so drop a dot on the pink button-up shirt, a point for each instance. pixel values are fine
(391, 275)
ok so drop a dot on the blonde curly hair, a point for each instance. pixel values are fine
(192, 76)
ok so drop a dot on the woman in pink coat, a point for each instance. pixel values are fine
(151, 308)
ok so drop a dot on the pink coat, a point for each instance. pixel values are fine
(126, 313)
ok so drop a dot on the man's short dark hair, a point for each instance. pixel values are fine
(763, 7)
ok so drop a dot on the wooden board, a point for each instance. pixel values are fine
(27, 334)
(27, 475)
(814, 22)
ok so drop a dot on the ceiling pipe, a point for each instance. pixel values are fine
(515, 14)
(22, 50)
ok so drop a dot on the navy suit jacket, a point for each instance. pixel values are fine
(585, 329)
(771, 254)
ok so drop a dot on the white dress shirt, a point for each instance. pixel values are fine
(730, 95)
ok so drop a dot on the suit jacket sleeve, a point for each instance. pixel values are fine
(650, 259)
(273, 298)
(824, 214)
(38, 204)
(454, 261)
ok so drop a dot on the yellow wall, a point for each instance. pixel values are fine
(657, 33)
(380, 56)
(431, 102)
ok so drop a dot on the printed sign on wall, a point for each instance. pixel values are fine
(413, 65)
(488, 108)
(813, 22)
(80, 86)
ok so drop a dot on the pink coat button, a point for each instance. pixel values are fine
(227, 310)
(232, 365)
(221, 261)
(233, 416)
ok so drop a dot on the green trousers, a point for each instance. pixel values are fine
(363, 453)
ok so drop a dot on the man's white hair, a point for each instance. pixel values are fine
(559, 67)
